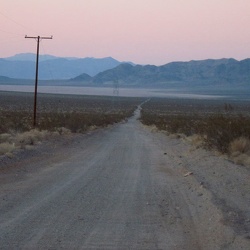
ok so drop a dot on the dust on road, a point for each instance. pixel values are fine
(123, 188)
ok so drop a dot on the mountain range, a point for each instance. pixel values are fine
(22, 66)
(205, 72)
(108, 71)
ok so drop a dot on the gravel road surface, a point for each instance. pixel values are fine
(124, 187)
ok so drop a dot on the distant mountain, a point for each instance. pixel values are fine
(30, 57)
(4, 78)
(83, 77)
(206, 72)
(108, 71)
(22, 66)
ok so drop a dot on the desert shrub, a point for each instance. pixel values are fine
(240, 151)
(10, 142)
(75, 121)
(222, 130)
(18, 121)
(30, 137)
(218, 130)
(78, 122)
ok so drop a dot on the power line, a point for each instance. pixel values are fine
(13, 21)
(38, 39)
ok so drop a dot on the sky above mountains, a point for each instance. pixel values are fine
(142, 31)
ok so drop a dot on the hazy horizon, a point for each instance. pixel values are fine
(42, 55)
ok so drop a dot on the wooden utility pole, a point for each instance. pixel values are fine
(38, 39)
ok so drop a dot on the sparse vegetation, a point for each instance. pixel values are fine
(76, 113)
(210, 123)
(10, 142)
(226, 130)
(58, 114)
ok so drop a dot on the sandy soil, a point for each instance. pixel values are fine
(124, 187)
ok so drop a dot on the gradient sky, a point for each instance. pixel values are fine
(141, 31)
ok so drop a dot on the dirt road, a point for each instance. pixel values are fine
(123, 187)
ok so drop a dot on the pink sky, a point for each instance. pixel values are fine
(142, 31)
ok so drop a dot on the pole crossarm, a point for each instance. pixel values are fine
(38, 39)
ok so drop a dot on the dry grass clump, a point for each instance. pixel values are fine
(242, 159)
(240, 151)
(196, 140)
(240, 145)
(30, 137)
(10, 142)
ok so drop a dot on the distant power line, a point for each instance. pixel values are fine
(17, 23)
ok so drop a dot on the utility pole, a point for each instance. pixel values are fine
(38, 39)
